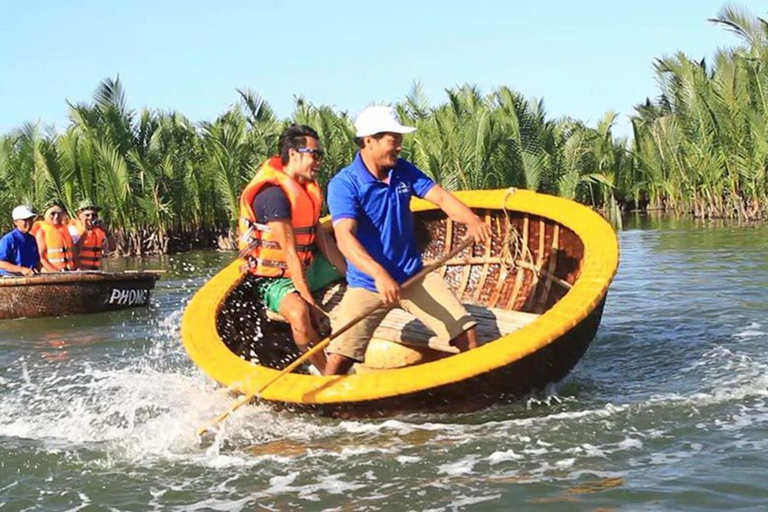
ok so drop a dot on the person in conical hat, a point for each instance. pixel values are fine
(92, 239)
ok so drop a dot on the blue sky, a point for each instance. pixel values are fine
(583, 58)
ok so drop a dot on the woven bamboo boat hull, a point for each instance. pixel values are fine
(537, 290)
(70, 293)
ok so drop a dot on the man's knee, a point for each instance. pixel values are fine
(298, 316)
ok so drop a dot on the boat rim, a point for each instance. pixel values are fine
(78, 276)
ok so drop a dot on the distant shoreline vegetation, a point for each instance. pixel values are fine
(166, 184)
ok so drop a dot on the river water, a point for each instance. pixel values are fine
(668, 410)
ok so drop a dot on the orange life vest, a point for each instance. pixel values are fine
(263, 254)
(91, 248)
(60, 250)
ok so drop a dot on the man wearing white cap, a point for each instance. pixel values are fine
(18, 249)
(370, 208)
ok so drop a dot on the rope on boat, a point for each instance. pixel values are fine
(514, 251)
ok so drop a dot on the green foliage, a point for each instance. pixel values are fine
(702, 146)
(158, 175)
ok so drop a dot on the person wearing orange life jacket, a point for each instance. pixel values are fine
(278, 230)
(92, 240)
(55, 245)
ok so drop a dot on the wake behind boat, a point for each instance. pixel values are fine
(537, 290)
(69, 293)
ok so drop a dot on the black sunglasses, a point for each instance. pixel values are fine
(316, 153)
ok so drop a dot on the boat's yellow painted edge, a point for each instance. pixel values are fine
(601, 257)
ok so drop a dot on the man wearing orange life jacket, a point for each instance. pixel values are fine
(57, 250)
(92, 240)
(278, 230)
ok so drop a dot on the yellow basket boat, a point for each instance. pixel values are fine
(537, 290)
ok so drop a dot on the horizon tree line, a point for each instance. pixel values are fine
(166, 183)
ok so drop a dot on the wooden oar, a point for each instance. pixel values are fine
(321, 345)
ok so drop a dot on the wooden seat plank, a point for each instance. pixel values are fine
(400, 326)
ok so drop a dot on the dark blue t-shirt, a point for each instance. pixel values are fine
(270, 204)
(385, 226)
(20, 249)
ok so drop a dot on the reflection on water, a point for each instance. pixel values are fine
(667, 410)
(53, 344)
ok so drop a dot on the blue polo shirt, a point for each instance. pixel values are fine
(20, 249)
(385, 226)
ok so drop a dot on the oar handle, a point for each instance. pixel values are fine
(322, 344)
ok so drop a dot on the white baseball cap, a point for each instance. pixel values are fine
(23, 212)
(379, 119)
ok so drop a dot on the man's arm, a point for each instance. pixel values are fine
(459, 212)
(43, 250)
(16, 269)
(110, 244)
(330, 249)
(343, 203)
(353, 250)
(285, 236)
(7, 253)
(79, 240)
